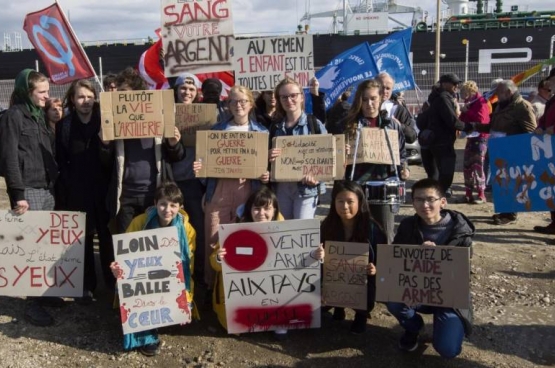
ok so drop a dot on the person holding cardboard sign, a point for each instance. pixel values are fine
(223, 196)
(349, 220)
(140, 164)
(298, 200)
(433, 225)
(167, 211)
(365, 112)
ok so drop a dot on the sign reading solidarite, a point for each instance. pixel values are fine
(242, 155)
(303, 155)
(42, 253)
(345, 277)
(192, 117)
(137, 114)
(417, 274)
(151, 282)
(372, 147)
(197, 36)
(261, 63)
(523, 179)
(271, 279)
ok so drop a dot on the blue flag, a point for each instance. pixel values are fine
(343, 71)
(391, 55)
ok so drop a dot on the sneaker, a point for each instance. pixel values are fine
(479, 200)
(280, 334)
(150, 349)
(37, 315)
(359, 324)
(339, 314)
(51, 301)
(549, 229)
(504, 219)
(448, 193)
(86, 299)
(409, 341)
(550, 242)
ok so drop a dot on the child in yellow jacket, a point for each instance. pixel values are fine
(167, 211)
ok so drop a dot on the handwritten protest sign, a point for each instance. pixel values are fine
(302, 155)
(523, 179)
(151, 283)
(271, 279)
(418, 274)
(372, 147)
(340, 156)
(192, 117)
(42, 253)
(261, 63)
(137, 114)
(345, 275)
(227, 154)
(197, 36)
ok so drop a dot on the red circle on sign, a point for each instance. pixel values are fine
(245, 250)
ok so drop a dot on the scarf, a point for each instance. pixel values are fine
(153, 223)
(21, 95)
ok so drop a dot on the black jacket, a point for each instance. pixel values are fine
(443, 120)
(462, 232)
(407, 122)
(26, 153)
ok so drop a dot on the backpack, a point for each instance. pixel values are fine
(426, 136)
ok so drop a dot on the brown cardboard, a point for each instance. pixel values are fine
(340, 156)
(303, 155)
(137, 114)
(226, 154)
(345, 277)
(192, 117)
(372, 147)
(422, 275)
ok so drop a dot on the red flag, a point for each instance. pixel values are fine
(60, 51)
(150, 68)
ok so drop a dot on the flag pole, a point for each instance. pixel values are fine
(81, 50)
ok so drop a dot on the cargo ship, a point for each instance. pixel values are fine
(494, 39)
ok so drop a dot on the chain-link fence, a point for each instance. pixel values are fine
(423, 76)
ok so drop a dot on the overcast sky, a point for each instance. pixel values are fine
(111, 20)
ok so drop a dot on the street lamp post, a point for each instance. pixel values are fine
(438, 40)
(467, 44)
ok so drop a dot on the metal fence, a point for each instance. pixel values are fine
(423, 76)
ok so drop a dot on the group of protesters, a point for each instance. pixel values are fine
(53, 158)
(479, 120)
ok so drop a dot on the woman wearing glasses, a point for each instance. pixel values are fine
(223, 196)
(297, 200)
(433, 225)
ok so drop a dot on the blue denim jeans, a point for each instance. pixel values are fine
(292, 205)
(448, 327)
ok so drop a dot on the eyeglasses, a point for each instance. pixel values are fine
(292, 96)
(238, 102)
(428, 200)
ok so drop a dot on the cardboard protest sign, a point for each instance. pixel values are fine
(417, 274)
(151, 283)
(345, 278)
(261, 63)
(192, 117)
(197, 36)
(226, 154)
(340, 156)
(271, 279)
(43, 253)
(301, 155)
(137, 114)
(372, 147)
(523, 179)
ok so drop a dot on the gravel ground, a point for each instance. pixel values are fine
(512, 280)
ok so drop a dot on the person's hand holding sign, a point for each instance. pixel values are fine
(176, 137)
